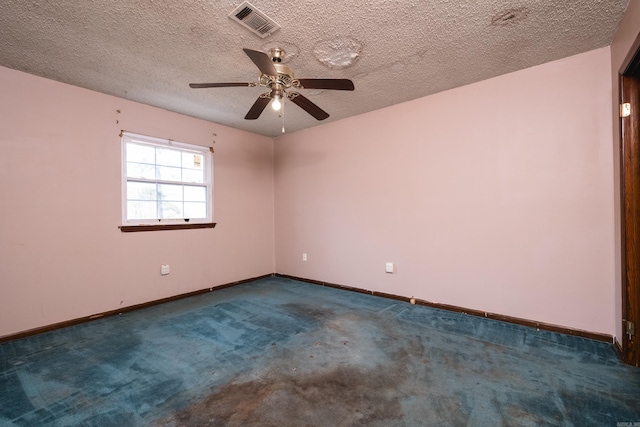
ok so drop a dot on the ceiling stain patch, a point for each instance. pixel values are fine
(338, 54)
(254, 20)
(509, 17)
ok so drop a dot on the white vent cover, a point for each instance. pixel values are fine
(257, 22)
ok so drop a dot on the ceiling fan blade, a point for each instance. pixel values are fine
(333, 84)
(262, 61)
(206, 85)
(308, 106)
(257, 108)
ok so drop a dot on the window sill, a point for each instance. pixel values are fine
(159, 227)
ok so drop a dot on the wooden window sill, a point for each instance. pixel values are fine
(159, 227)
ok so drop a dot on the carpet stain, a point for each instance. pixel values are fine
(318, 379)
(339, 397)
(308, 310)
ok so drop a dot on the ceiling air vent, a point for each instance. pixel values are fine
(257, 22)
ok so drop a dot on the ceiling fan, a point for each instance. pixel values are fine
(279, 78)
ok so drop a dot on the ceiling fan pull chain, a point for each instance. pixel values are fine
(283, 113)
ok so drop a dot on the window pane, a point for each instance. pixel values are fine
(142, 210)
(167, 157)
(195, 194)
(140, 153)
(193, 161)
(165, 180)
(141, 191)
(140, 170)
(168, 174)
(171, 209)
(195, 210)
(192, 175)
(170, 192)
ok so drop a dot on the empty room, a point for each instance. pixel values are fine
(380, 213)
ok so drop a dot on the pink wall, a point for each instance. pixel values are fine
(496, 196)
(626, 35)
(61, 253)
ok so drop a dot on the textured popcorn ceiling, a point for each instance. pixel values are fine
(394, 51)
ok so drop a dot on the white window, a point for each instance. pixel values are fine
(165, 182)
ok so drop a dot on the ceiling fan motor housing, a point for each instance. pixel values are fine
(276, 54)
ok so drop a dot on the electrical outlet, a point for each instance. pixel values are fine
(164, 269)
(304, 257)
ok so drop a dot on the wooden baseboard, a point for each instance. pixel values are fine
(618, 348)
(494, 316)
(509, 319)
(122, 310)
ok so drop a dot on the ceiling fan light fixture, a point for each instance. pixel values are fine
(277, 93)
(276, 104)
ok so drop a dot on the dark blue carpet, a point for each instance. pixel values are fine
(277, 352)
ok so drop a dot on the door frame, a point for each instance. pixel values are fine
(629, 77)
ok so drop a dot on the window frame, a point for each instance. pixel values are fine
(165, 223)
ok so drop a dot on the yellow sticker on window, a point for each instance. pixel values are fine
(197, 160)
